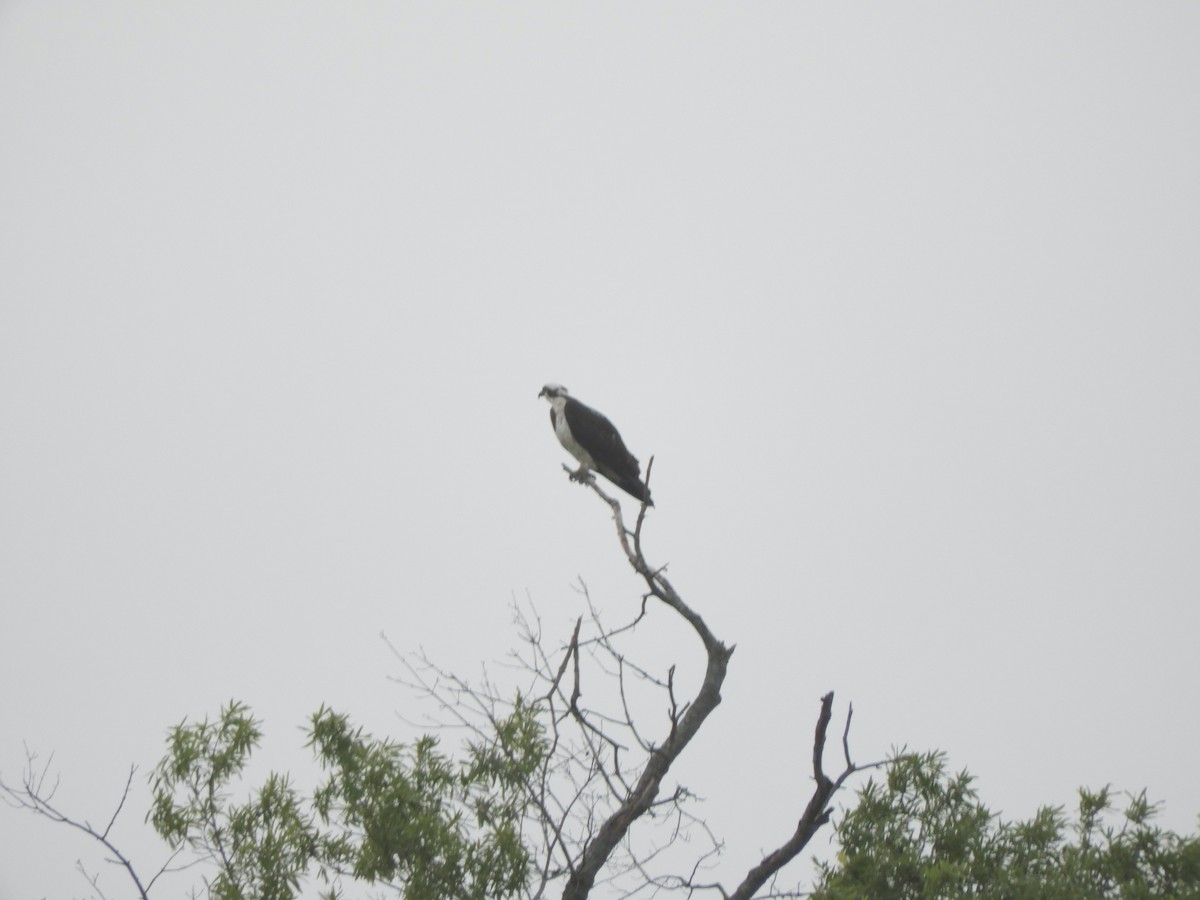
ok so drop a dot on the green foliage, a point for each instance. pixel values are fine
(922, 833)
(263, 845)
(405, 815)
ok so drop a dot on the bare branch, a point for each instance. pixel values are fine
(816, 813)
(846, 737)
(572, 650)
(642, 797)
(32, 796)
(121, 804)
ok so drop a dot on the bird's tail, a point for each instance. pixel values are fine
(636, 489)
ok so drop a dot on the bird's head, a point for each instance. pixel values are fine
(551, 391)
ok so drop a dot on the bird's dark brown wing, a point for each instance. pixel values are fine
(598, 436)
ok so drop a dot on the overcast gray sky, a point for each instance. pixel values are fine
(904, 299)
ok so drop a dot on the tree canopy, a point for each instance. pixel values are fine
(922, 833)
(405, 816)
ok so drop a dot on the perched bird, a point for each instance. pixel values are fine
(591, 439)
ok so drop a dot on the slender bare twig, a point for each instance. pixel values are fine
(33, 796)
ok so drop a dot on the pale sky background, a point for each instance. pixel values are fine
(904, 299)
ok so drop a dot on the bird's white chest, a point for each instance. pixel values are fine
(563, 433)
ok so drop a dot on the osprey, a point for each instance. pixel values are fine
(591, 439)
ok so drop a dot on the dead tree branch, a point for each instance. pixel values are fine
(660, 759)
(33, 795)
(683, 728)
(816, 813)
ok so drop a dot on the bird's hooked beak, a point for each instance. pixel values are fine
(542, 392)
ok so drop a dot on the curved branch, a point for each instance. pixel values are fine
(684, 726)
(642, 797)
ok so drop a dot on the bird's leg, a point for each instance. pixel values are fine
(582, 475)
